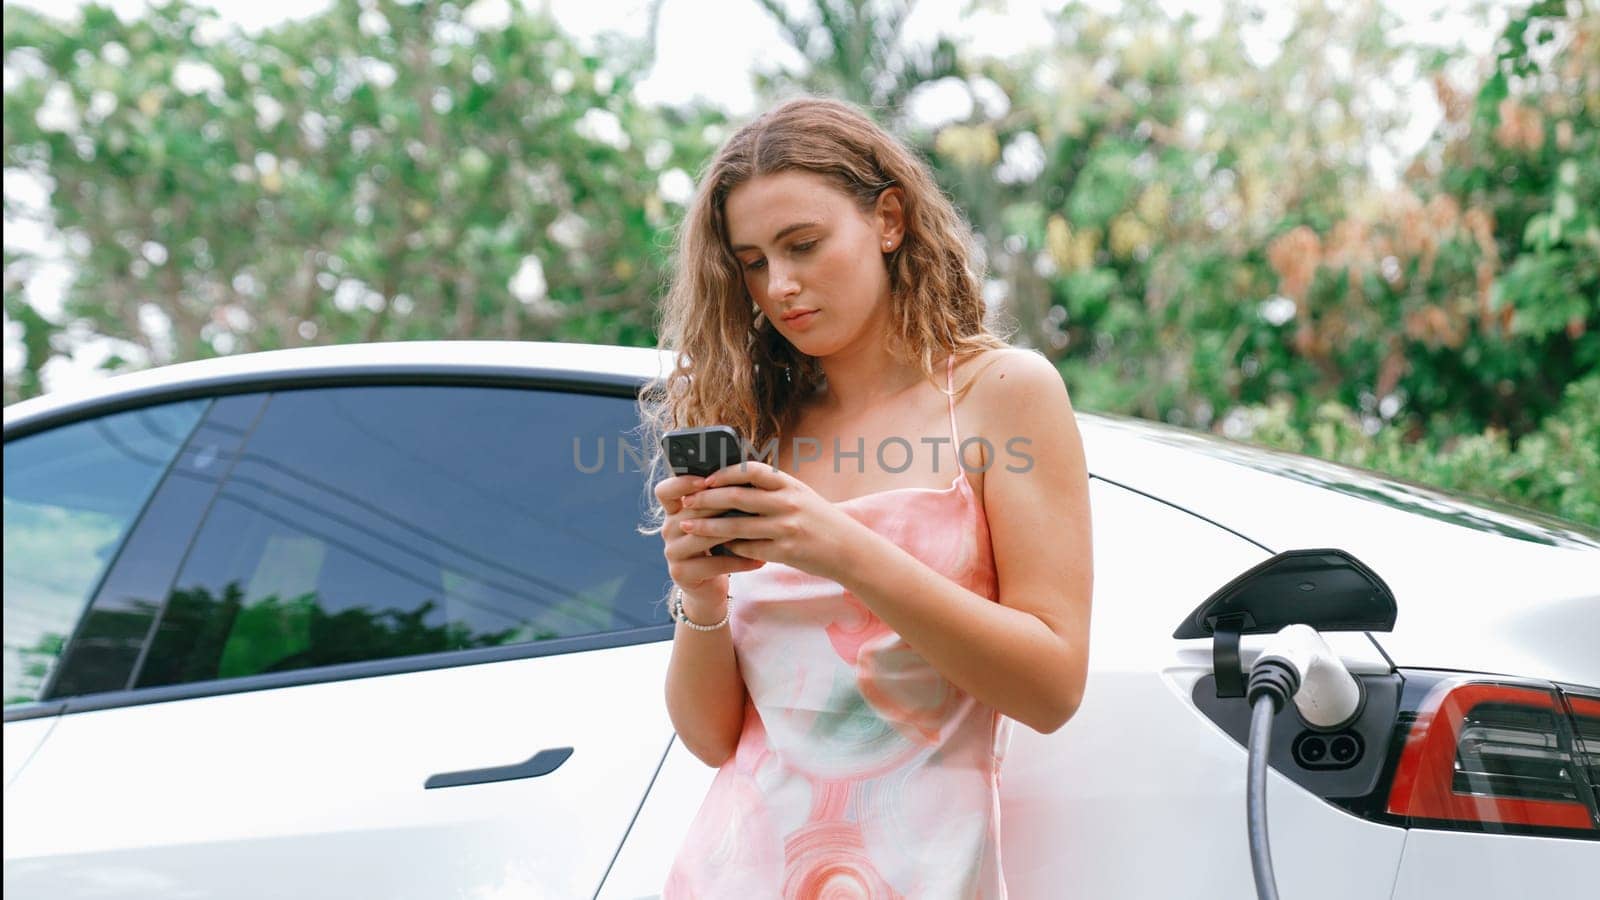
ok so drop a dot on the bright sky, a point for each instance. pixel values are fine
(745, 35)
(683, 71)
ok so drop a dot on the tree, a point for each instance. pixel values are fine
(854, 50)
(391, 172)
(1195, 235)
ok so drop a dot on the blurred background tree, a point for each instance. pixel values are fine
(1195, 235)
(378, 172)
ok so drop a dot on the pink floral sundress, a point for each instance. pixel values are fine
(861, 772)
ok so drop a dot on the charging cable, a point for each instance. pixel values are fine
(1298, 664)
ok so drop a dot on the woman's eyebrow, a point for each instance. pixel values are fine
(782, 233)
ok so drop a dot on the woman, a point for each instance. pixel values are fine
(916, 570)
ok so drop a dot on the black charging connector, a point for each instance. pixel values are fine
(1272, 683)
(1273, 678)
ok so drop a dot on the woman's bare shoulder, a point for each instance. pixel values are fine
(1005, 376)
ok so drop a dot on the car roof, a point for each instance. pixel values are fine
(302, 364)
(1454, 556)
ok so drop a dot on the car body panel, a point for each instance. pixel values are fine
(658, 832)
(314, 789)
(1451, 865)
(1151, 805)
(22, 739)
(1477, 589)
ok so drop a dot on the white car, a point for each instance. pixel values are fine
(374, 621)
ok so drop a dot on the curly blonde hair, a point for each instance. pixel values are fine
(731, 366)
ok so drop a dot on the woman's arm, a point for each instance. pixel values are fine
(1028, 655)
(705, 691)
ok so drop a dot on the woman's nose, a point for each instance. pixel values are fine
(781, 283)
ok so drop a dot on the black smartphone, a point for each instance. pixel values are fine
(701, 451)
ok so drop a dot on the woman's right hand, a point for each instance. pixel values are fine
(703, 577)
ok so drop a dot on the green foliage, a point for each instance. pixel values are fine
(37, 331)
(356, 176)
(1203, 239)
(1551, 470)
(854, 51)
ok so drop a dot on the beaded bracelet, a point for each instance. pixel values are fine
(679, 615)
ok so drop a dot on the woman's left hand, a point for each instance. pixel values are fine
(792, 524)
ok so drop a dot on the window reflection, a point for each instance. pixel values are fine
(71, 495)
(377, 522)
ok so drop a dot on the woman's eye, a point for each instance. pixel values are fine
(801, 248)
(754, 264)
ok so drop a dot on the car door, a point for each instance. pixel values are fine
(368, 640)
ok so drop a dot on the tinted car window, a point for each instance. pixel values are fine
(111, 640)
(376, 522)
(71, 495)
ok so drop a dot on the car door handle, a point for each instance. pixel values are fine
(542, 763)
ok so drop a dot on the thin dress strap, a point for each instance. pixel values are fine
(950, 395)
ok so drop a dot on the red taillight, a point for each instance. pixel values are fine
(1489, 753)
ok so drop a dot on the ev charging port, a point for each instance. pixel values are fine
(1294, 596)
(1316, 750)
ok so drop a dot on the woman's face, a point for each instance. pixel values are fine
(805, 247)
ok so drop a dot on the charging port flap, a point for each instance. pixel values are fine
(1328, 589)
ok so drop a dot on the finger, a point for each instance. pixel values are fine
(670, 490)
(749, 499)
(725, 527)
(756, 474)
(748, 549)
(669, 525)
(689, 546)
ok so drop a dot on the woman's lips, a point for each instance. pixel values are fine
(803, 320)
